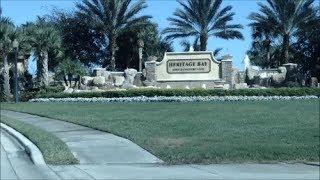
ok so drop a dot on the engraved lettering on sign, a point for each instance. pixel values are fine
(188, 66)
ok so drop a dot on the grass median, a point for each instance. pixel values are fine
(215, 132)
(54, 150)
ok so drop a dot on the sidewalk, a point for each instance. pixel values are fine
(216, 171)
(88, 145)
(106, 156)
(16, 164)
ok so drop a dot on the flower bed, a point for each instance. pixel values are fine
(174, 99)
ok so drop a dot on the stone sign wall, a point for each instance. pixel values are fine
(185, 70)
(187, 66)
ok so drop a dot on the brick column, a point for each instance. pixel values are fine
(150, 72)
(227, 70)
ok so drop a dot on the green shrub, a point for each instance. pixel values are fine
(292, 84)
(32, 93)
(27, 95)
(185, 92)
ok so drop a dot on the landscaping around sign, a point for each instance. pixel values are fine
(184, 93)
(215, 132)
(175, 99)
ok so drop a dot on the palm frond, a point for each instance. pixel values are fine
(200, 18)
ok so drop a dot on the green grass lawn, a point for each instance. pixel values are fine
(53, 149)
(265, 131)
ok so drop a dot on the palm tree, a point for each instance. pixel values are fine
(203, 19)
(282, 18)
(186, 45)
(43, 38)
(112, 17)
(217, 53)
(264, 55)
(7, 36)
(262, 35)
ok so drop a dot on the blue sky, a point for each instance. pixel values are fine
(21, 11)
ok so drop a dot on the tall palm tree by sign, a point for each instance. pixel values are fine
(282, 18)
(112, 17)
(43, 37)
(7, 36)
(203, 19)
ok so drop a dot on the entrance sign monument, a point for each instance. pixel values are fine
(190, 66)
(189, 69)
(183, 70)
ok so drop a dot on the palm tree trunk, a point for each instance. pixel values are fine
(43, 71)
(112, 50)
(203, 41)
(268, 50)
(285, 49)
(6, 78)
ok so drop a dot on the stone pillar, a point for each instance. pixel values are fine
(227, 70)
(129, 78)
(314, 82)
(150, 72)
(292, 72)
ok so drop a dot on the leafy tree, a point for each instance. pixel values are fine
(43, 38)
(262, 40)
(307, 47)
(154, 45)
(264, 56)
(203, 19)
(163, 46)
(79, 41)
(112, 17)
(282, 18)
(68, 67)
(7, 36)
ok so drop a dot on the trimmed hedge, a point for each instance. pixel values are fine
(186, 92)
(32, 93)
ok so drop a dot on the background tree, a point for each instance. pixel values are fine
(80, 42)
(262, 35)
(186, 45)
(203, 19)
(68, 69)
(7, 36)
(154, 45)
(307, 47)
(283, 18)
(43, 38)
(112, 17)
(264, 55)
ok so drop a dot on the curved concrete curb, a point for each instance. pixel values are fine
(32, 150)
